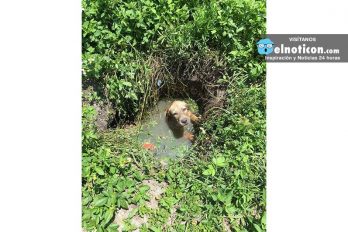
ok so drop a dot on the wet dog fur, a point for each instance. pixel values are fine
(178, 115)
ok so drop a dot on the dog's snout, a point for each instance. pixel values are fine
(184, 120)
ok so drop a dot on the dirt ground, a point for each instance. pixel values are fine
(155, 192)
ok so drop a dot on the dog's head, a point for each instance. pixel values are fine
(178, 113)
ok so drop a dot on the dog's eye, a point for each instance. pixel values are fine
(175, 113)
(184, 109)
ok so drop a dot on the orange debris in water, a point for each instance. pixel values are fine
(149, 146)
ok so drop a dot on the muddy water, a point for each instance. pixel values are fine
(156, 131)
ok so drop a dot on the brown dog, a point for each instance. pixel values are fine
(179, 115)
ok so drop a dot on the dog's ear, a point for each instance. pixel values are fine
(167, 112)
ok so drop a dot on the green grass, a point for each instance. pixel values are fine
(127, 46)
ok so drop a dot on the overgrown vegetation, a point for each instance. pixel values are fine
(205, 48)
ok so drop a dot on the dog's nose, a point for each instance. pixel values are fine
(184, 121)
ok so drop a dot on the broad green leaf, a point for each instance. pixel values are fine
(212, 170)
(112, 170)
(86, 171)
(112, 227)
(155, 229)
(108, 215)
(101, 202)
(240, 29)
(230, 209)
(121, 202)
(206, 172)
(86, 200)
(99, 170)
(127, 83)
(258, 228)
(209, 171)
(263, 219)
(121, 185)
(220, 161)
(144, 189)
